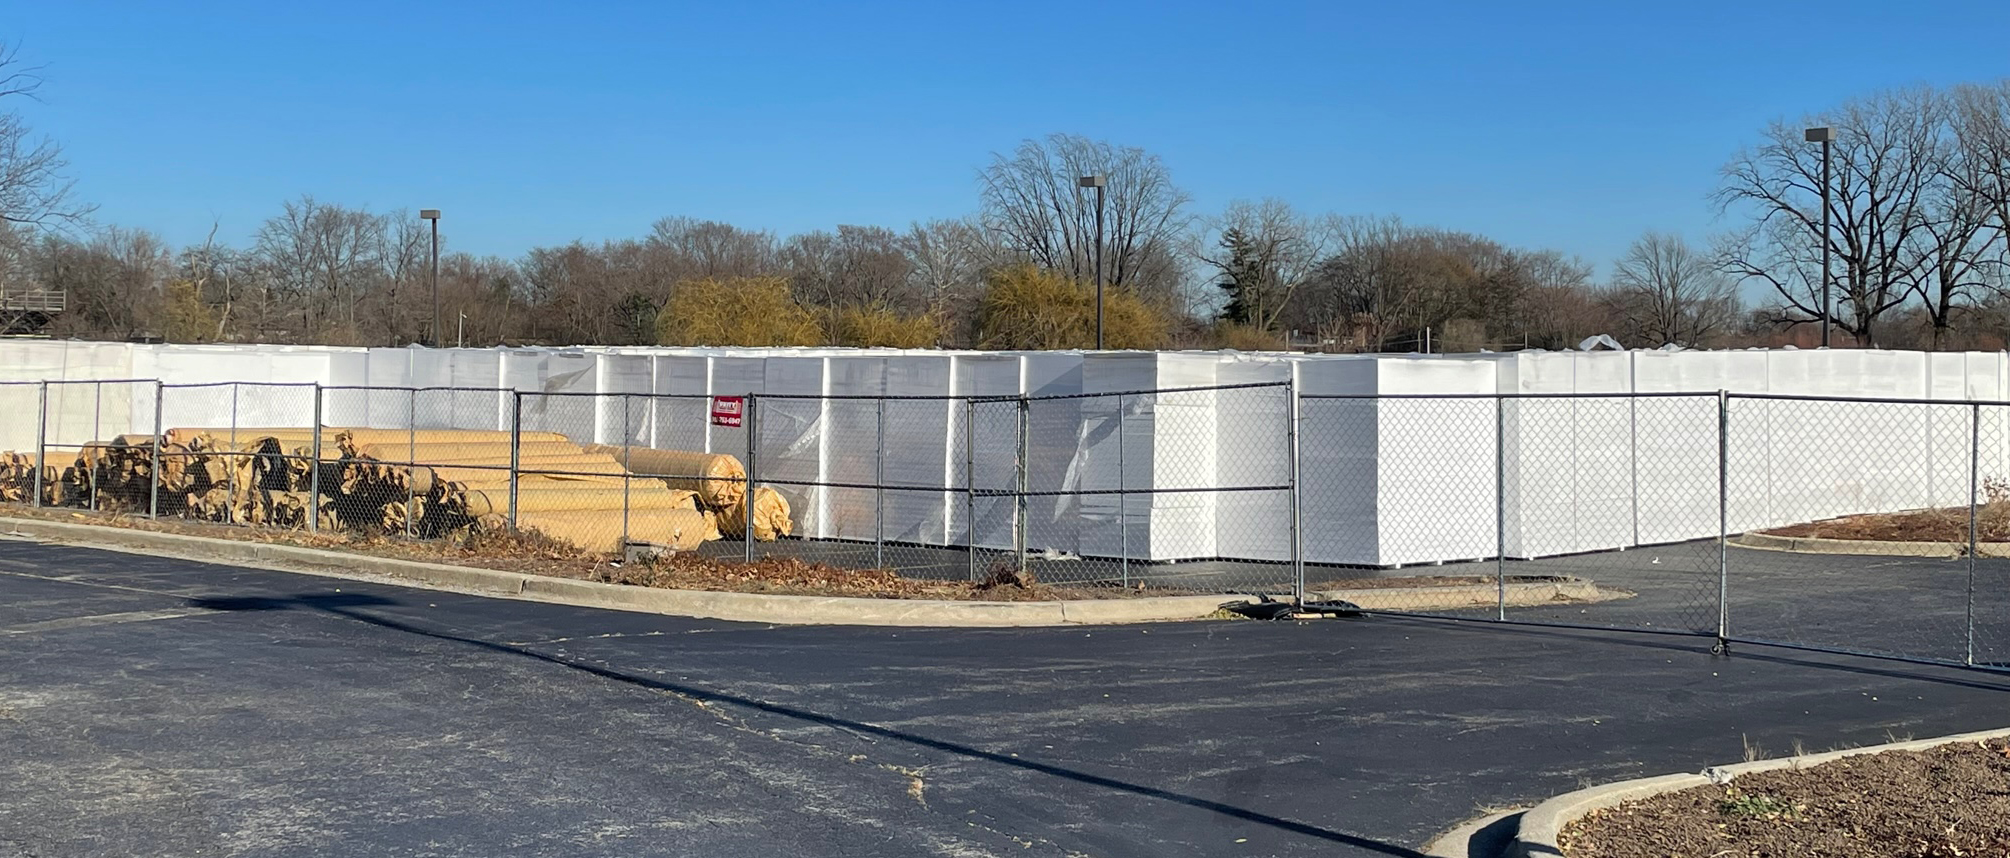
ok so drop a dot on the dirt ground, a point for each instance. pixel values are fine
(1941, 803)
(530, 553)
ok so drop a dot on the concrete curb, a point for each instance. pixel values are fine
(1541, 825)
(1869, 547)
(1480, 837)
(751, 607)
(1520, 594)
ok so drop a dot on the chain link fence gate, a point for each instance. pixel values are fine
(1878, 517)
(1186, 490)
(1585, 510)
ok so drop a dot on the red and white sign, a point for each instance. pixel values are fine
(726, 410)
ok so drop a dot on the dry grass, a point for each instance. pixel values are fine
(1948, 524)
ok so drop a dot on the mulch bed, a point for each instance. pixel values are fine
(1945, 802)
(1992, 524)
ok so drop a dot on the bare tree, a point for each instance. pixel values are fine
(322, 258)
(856, 266)
(113, 281)
(1668, 292)
(1887, 157)
(703, 249)
(1033, 205)
(1261, 254)
(33, 188)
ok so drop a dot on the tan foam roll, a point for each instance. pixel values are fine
(719, 479)
(490, 481)
(184, 434)
(350, 439)
(771, 517)
(585, 462)
(398, 451)
(481, 502)
(425, 478)
(599, 531)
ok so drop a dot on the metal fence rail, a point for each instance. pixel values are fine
(1643, 512)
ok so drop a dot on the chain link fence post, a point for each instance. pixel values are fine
(230, 463)
(879, 484)
(1974, 466)
(154, 469)
(515, 452)
(411, 458)
(97, 434)
(1291, 468)
(1123, 502)
(752, 419)
(627, 455)
(314, 469)
(41, 438)
(1022, 452)
(970, 484)
(1500, 509)
(1723, 522)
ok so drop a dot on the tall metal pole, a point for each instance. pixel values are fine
(436, 283)
(1099, 266)
(1827, 308)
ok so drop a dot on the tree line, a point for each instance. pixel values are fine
(1920, 188)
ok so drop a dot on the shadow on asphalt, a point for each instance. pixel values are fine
(343, 605)
(1700, 644)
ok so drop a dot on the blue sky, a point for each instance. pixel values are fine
(1567, 125)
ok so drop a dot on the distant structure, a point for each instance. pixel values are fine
(28, 312)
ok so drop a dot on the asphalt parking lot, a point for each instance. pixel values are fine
(152, 706)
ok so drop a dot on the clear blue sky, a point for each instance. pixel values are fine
(1566, 125)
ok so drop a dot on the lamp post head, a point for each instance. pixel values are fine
(429, 214)
(1095, 181)
(1821, 135)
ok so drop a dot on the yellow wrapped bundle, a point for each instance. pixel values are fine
(719, 479)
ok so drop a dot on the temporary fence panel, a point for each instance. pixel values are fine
(795, 431)
(1434, 457)
(925, 438)
(1838, 457)
(853, 451)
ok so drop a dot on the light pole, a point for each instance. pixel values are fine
(1097, 181)
(434, 216)
(1824, 136)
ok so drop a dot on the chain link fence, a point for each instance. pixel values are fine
(1856, 525)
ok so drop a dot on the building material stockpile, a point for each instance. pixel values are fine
(427, 482)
